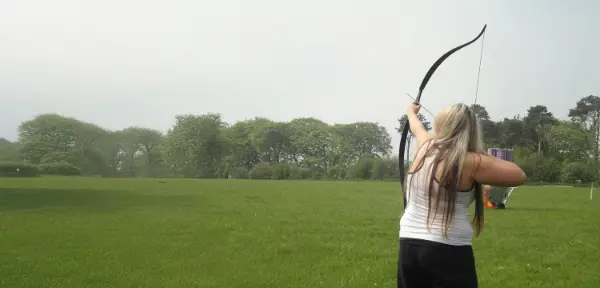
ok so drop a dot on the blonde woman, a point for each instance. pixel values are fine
(446, 176)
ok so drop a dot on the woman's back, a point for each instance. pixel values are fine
(414, 223)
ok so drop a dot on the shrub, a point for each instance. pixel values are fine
(336, 172)
(363, 168)
(280, 171)
(577, 171)
(60, 168)
(316, 173)
(261, 171)
(541, 169)
(378, 169)
(240, 173)
(295, 172)
(15, 169)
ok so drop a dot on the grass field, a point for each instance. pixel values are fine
(92, 232)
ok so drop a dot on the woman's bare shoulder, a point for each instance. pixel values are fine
(473, 159)
(472, 162)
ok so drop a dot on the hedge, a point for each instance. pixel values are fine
(15, 169)
(61, 168)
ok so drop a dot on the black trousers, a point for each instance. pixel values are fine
(427, 264)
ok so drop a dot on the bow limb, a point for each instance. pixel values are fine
(424, 82)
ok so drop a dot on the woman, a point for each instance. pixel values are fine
(445, 177)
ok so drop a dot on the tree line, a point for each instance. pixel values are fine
(205, 146)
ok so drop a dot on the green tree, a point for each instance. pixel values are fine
(490, 131)
(196, 145)
(51, 138)
(569, 142)
(402, 122)
(587, 114)
(578, 171)
(9, 151)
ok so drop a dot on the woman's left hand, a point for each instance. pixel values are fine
(413, 108)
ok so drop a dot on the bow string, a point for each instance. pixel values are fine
(430, 72)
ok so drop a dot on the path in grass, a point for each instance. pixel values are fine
(91, 232)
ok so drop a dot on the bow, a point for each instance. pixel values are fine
(430, 72)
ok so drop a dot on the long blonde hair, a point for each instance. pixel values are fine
(457, 132)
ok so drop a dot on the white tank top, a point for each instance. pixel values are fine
(413, 223)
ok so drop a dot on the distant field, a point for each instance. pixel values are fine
(93, 232)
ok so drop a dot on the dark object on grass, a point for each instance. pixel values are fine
(499, 205)
(162, 182)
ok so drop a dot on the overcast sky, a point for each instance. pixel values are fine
(120, 63)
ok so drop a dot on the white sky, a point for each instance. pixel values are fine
(120, 63)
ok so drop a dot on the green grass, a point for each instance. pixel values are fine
(92, 232)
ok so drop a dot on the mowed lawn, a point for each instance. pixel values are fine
(93, 232)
